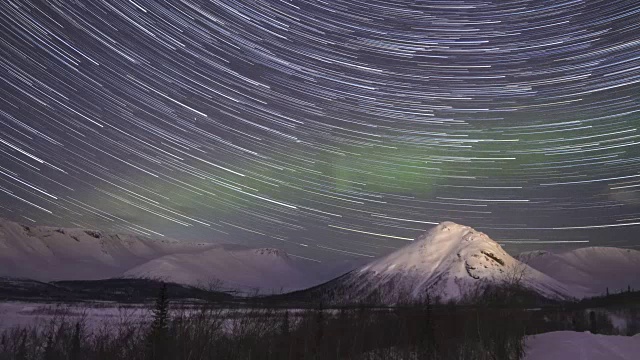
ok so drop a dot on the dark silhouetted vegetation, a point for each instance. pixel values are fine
(490, 323)
(348, 333)
(123, 290)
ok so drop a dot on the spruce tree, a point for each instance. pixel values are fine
(158, 334)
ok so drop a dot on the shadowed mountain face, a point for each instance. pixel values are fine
(49, 254)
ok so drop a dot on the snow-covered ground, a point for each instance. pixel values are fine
(571, 345)
(99, 315)
(13, 314)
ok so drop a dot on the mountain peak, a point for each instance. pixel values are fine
(449, 260)
(450, 233)
(445, 243)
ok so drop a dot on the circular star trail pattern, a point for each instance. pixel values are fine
(337, 128)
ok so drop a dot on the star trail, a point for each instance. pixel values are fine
(327, 128)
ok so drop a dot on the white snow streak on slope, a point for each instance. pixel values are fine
(571, 345)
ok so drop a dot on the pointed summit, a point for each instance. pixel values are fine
(448, 261)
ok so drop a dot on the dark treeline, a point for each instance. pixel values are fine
(629, 297)
(122, 290)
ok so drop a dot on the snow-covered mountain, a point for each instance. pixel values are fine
(51, 253)
(266, 270)
(449, 261)
(589, 271)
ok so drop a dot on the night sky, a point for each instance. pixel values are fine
(327, 128)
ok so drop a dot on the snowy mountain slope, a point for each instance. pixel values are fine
(238, 267)
(448, 261)
(49, 253)
(589, 271)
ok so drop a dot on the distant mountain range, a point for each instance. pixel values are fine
(454, 262)
(52, 254)
(589, 271)
(450, 261)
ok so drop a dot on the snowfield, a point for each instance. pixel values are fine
(571, 345)
(95, 315)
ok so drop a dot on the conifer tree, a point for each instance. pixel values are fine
(158, 334)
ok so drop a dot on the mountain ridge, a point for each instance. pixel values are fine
(449, 261)
(590, 271)
(46, 253)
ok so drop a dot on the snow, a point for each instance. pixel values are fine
(110, 315)
(558, 345)
(265, 270)
(590, 271)
(49, 254)
(448, 261)
(563, 345)
(94, 315)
